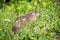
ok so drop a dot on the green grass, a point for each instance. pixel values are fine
(49, 17)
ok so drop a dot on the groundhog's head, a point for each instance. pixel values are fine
(34, 13)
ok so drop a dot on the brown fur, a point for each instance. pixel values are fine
(28, 18)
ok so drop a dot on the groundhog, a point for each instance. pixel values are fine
(28, 18)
